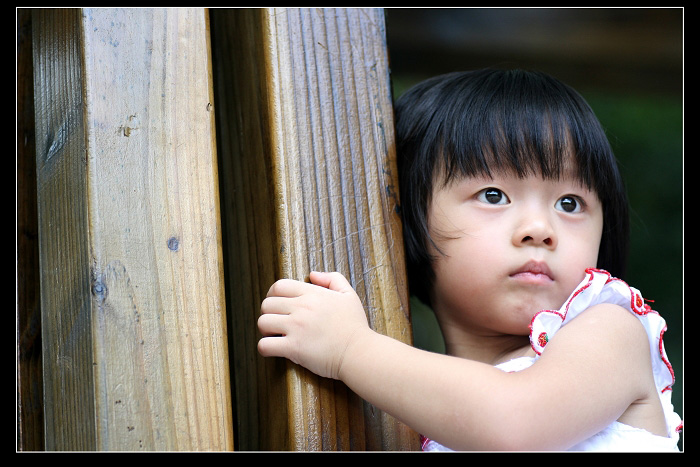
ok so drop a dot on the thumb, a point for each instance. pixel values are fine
(331, 280)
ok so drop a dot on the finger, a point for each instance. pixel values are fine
(286, 288)
(273, 347)
(276, 305)
(331, 280)
(272, 325)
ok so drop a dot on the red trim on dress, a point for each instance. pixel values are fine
(637, 306)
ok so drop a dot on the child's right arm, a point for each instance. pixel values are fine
(588, 377)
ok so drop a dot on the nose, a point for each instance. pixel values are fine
(535, 230)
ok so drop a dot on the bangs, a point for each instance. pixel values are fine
(526, 124)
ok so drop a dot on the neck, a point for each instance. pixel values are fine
(484, 347)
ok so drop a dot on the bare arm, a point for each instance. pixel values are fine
(570, 393)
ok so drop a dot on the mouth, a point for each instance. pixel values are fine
(535, 272)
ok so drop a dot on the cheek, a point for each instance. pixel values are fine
(454, 282)
(467, 259)
(589, 245)
(580, 253)
(595, 236)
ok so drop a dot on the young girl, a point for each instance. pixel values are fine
(511, 200)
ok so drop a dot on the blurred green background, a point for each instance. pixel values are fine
(628, 64)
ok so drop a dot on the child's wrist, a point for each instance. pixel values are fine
(356, 351)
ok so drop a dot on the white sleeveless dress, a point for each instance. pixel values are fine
(599, 287)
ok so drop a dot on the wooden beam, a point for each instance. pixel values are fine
(308, 182)
(30, 413)
(132, 303)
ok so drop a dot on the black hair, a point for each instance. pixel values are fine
(466, 123)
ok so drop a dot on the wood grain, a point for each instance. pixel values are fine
(308, 183)
(30, 413)
(130, 240)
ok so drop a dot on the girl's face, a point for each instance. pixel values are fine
(510, 248)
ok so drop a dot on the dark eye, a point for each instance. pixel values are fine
(493, 196)
(569, 204)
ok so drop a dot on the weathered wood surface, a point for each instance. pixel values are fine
(309, 183)
(133, 319)
(30, 411)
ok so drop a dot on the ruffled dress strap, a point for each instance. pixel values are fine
(600, 287)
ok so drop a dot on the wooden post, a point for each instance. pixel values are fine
(30, 413)
(308, 182)
(134, 334)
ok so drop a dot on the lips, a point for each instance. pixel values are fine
(533, 271)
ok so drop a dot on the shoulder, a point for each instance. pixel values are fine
(592, 370)
(606, 318)
(610, 342)
(606, 327)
